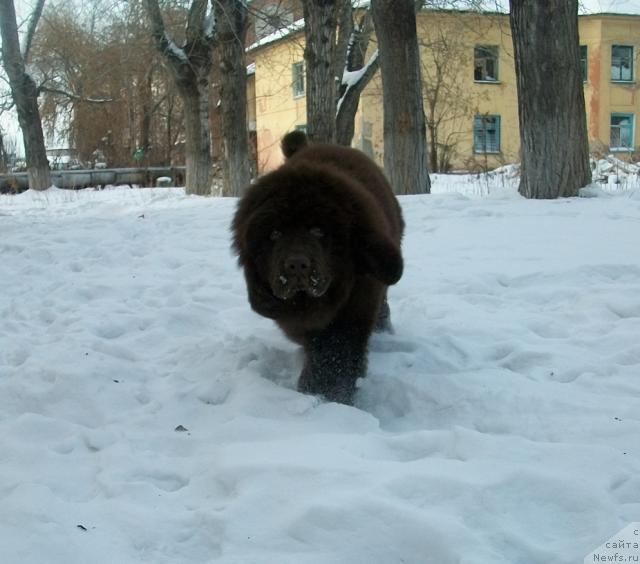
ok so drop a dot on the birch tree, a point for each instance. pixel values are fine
(24, 91)
(190, 66)
(551, 108)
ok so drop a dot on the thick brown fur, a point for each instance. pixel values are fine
(319, 242)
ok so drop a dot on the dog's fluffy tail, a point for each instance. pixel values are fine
(292, 142)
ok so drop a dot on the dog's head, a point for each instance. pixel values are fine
(300, 260)
(303, 233)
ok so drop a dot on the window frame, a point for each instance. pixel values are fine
(632, 126)
(631, 66)
(297, 78)
(584, 63)
(489, 49)
(498, 126)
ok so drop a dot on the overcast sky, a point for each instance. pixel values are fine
(595, 6)
(623, 6)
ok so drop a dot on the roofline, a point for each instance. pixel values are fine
(609, 14)
(298, 26)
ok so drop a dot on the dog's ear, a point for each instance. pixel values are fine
(377, 254)
(292, 142)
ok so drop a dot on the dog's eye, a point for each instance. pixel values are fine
(275, 235)
(316, 232)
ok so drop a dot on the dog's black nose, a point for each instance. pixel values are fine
(297, 265)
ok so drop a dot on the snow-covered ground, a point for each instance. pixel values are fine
(147, 415)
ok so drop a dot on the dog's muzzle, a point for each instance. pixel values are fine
(299, 275)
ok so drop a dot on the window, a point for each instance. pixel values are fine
(486, 134)
(621, 63)
(583, 62)
(485, 67)
(297, 71)
(621, 132)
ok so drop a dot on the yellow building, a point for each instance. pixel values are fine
(469, 89)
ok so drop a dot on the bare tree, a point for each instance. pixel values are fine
(405, 147)
(102, 86)
(231, 29)
(190, 65)
(553, 126)
(320, 25)
(449, 103)
(25, 92)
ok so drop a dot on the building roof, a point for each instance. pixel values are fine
(298, 25)
(279, 34)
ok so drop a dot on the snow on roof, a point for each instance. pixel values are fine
(279, 34)
(298, 25)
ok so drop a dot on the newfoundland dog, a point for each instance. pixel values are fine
(319, 242)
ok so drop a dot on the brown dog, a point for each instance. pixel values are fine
(319, 241)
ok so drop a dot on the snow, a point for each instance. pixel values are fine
(287, 30)
(148, 415)
(350, 79)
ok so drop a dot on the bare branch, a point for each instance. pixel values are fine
(345, 34)
(74, 97)
(31, 30)
(197, 21)
(165, 45)
(356, 81)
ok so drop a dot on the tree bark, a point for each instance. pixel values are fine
(190, 66)
(355, 77)
(405, 146)
(231, 28)
(320, 23)
(146, 103)
(25, 97)
(551, 108)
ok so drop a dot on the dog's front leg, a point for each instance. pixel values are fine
(334, 360)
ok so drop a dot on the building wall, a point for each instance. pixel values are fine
(461, 97)
(277, 109)
(603, 95)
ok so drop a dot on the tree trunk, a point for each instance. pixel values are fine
(146, 96)
(195, 101)
(320, 23)
(349, 102)
(553, 123)
(433, 148)
(405, 146)
(25, 97)
(190, 66)
(355, 77)
(231, 21)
